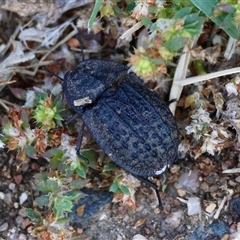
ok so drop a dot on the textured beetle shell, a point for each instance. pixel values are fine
(130, 122)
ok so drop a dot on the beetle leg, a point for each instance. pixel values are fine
(172, 101)
(79, 142)
(72, 118)
(153, 185)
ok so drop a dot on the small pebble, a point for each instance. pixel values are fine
(181, 192)
(19, 220)
(13, 230)
(211, 207)
(3, 227)
(12, 186)
(23, 198)
(119, 237)
(2, 195)
(237, 179)
(8, 198)
(16, 205)
(174, 219)
(103, 217)
(22, 212)
(22, 236)
(139, 237)
(194, 206)
(189, 180)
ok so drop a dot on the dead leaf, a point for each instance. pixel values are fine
(189, 100)
(80, 210)
(140, 222)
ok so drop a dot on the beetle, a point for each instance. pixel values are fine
(129, 121)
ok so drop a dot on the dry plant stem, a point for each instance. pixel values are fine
(23, 70)
(85, 50)
(178, 85)
(7, 82)
(230, 50)
(230, 193)
(41, 62)
(182, 68)
(216, 216)
(233, 170)
(131, 30)
(4, 104)
(30, 73)
(181, 73)
(10, 41)
(70, 35)
(208, 76)
(182, 200)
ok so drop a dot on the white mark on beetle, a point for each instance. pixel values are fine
(82, 101)
(161, 171)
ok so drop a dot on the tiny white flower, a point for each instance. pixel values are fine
(2, 145)
(22, 142)
(12, 132)
(30, 135)
(209, 146)
(30, 99)
(57, 89)
(231, 89)
(69, 151)
(183, 148)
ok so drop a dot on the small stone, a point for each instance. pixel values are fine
(119, 237)
(19, 220)
(2, 195)
(139, 237)
(232, 183)
(22, 212)
(103, 217)
(181, 192)
(16, 205)
(12, 186)
(3, 227)
(204, 186)
(13, 230)
(8, 198)
(18, 178)
(23, 198)
(22, 236)
(26, 222)
(194, 206)
(174, 219)
(211, 207)
(237, 179)
(188, 180)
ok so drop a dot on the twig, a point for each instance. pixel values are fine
(10, 41)
(4, 105)
(233, 170)
(131, 30)
(7, 82)
(230, 191)
(70, 35)
(181, 73)
(208, 76)
(216, 216)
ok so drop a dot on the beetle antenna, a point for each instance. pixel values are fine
(81, 45)
(55, 75)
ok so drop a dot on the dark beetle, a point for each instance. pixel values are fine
(130, 122)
